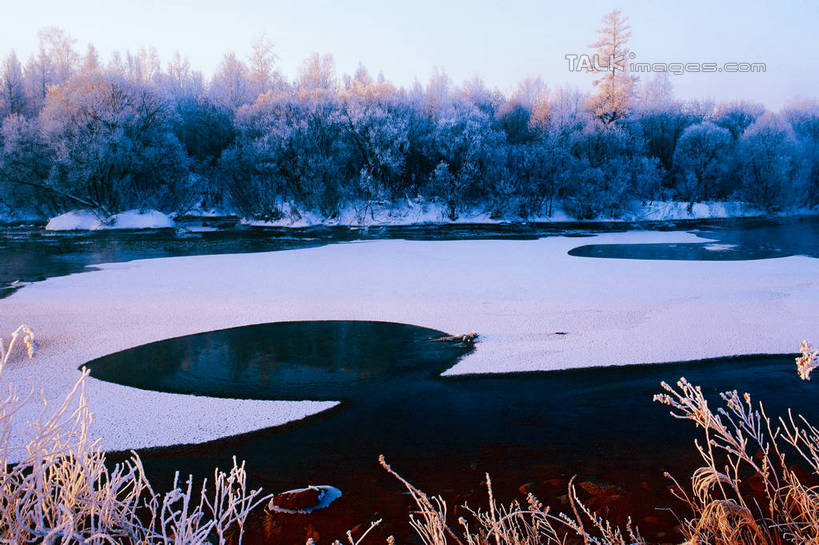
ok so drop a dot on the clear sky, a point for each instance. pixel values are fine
(502, 42)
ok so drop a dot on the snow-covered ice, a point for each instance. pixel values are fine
(516, 294)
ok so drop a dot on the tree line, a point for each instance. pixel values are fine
(132, 133)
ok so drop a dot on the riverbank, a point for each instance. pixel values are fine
(536, 308)
(408, 212)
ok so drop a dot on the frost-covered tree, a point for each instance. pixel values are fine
(765, 157)
(377, 125)
(53, 63)
(468, 146)
(25, 163)
(179, 83)
(230, 87)
(288, 150)
(436, 93)
(317, 74)
(526, 113)
(113, 143)
(803, 116)
(262, 75)
(566, 109)
(614, 93)
(122, 132)
(59, 47)
(539, 173)
(12, 87)
(609, 167)
(701, 162)
(657, 93)
(91, 60)
(738, 116)
(143, 66)
(205, 130)
(476, 91)
(661, 120)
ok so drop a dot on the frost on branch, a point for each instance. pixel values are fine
(27, 335)
(807, 361)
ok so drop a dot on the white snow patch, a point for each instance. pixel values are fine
(136, 219)
(76, 220)
(85, 220)
(719, 247)
(201, 229)
(515, 294)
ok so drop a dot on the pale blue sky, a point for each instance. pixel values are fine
(500, 41)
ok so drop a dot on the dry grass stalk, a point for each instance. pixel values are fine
(57, 489)
(512, 524)
(741, 444)
(807, 361)
(29, 342)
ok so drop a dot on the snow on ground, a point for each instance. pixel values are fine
(516, 294)
(676, 210)
(84, 220)
(420, 212)
(409, 212)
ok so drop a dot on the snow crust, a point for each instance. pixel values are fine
(515, 294)
(84, 220)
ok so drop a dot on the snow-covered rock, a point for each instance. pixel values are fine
(76, 220)
(134, 219)
(84, 220)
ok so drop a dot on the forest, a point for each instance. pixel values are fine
(80, 132)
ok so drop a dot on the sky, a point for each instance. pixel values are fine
(502, 42)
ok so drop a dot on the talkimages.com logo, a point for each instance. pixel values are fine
(594, 63)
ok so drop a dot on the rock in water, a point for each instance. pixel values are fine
(304, 500)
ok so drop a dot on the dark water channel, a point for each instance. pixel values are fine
(531, 431)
